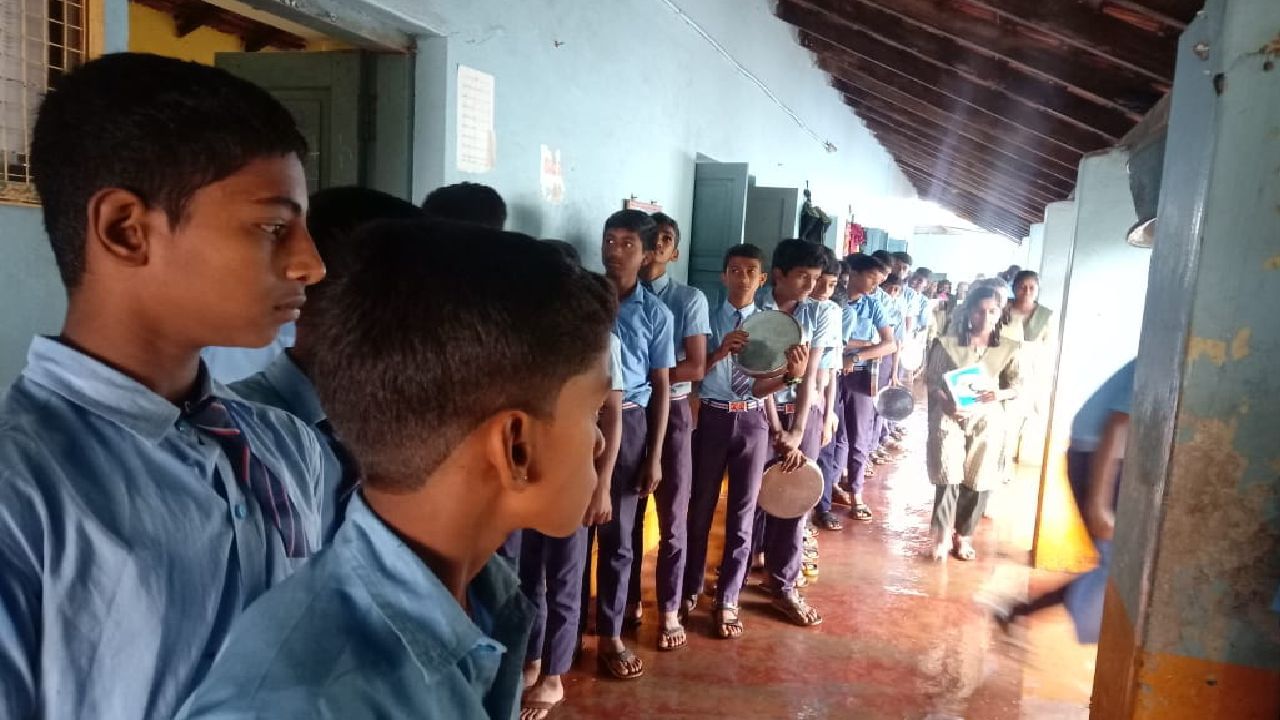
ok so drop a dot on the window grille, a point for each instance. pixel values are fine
(39, 41)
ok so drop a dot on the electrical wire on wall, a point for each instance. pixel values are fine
(743, 71)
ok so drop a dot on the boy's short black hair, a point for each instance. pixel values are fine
(567, 250)
(662, 218)
(467, 202)
(336, 213)
(792, 254)
(422, 344)
(638, 222)
(883, 256)
(830, 263)
(923, 272)
(892, 279)
(159, 127)
(743, 250)
(859, 263)
(902, 256)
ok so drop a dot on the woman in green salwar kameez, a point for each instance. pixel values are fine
(966, 450)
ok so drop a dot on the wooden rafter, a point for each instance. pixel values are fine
(191, 15)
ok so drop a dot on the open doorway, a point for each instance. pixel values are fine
(352, 96)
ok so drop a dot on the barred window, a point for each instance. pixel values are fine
(39, 41)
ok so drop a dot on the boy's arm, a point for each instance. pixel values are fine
(659, 409)
(830, 421)
(694, 365)
(1104, 472)
(600, 511)
(886, 346)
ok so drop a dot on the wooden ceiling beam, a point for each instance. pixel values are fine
(983, 216)
(1176, 13)
(1014, 141)
(977, 179)
(927, 54)
(1084, 28)
(965, 197)
(1051, 177)
(942, 86)
(951, 146)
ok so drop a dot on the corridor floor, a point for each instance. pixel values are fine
(903, 638)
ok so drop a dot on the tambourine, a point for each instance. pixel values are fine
(911, 354)
(770, 334)
(895, 403)
(789, 495)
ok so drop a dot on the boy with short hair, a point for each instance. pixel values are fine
(796, 267)
(143, 506)
(408, 613)
(868, 336)
(732, 435)
(688, 308)
(334, 216)
(467, 202)
(552, 569)
(833, 458)
(644, 326)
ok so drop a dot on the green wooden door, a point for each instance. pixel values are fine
(719, 211)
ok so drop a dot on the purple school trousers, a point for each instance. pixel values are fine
(784, 539)
(834, 457)
(672, 497)
(551, 577)
(739, 443)
(613, 562)
(861, 423)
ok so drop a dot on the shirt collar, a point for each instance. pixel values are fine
(636, 296)
(103, 390)
(423, 613)
(660, 285)
(729, 310)
(295, 388)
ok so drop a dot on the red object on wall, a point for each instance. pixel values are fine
(855, 236)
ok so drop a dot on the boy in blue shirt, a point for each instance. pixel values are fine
(408, 613)
(796, 267)
(688, 308)
(644, 326)
(733, 436)
(868, 336)
(334, 215)
(143, 506)
(834, 456)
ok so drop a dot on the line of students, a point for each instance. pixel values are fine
(170, 545)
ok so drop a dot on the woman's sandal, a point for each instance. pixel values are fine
(861, 512)
(615, 664)
(964, 549)
(728, 624)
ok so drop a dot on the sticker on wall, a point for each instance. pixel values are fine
(477, 143)
(650, 207)
(552, 176)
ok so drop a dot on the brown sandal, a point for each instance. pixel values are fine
(615, 664)
(671, 639)
(799, 612)
(728, 622)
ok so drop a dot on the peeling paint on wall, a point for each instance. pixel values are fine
(1272, 263)
(1214, 350)
(1240, 343)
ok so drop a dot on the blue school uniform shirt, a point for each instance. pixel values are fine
(367, 630)
(917, 307)
(644, 326)
(718, 382)
(283, 385)
(1115, 395)
(892, 311)
(862, 320)
(229, 364)
(813, 332)
(616, 382)
(127, 545)
(688, 308)
(833, 321)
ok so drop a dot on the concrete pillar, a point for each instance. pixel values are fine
(1055, 255)
(1188, 630)
(1099, 320)
(1035, 247)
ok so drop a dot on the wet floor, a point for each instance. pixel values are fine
(903, 638)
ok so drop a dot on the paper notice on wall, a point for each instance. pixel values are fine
(477, 143)
(552, 176)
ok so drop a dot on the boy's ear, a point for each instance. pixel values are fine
(513, 456)
(120, 224)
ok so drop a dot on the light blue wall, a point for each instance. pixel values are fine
(630, 94)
